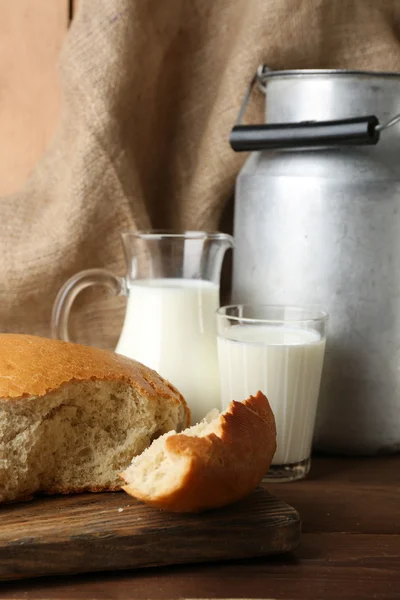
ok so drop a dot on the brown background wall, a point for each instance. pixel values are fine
(31, 36)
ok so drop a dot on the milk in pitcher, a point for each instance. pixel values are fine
(170, 327)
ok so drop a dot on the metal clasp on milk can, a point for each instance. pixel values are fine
(356, 131)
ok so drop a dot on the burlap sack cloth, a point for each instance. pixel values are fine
(151, 89)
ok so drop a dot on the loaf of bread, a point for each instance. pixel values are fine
(72, 417)
(209, 465)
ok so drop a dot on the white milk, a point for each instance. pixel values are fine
(170, 326)
(286, 365)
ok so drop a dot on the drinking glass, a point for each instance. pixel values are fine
(280, 351)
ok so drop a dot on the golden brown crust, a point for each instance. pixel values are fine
(223, 467)
(34, 366)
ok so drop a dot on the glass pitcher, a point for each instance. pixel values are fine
(172, 284)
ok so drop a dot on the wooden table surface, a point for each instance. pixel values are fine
(350, 549)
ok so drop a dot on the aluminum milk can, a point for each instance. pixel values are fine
(317, 222)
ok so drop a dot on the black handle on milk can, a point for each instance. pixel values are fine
(356, 131)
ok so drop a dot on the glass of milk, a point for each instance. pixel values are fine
(172, 288)
(280, 351)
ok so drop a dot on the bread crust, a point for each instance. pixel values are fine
(35, 366)
(222, 467)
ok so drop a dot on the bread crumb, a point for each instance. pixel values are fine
(120, 510)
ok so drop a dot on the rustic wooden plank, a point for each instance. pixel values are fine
(93, 532)
(31, 35)
(372, 470)
(326, 566)
(348, 498)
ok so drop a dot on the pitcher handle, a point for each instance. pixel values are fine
(72, 287)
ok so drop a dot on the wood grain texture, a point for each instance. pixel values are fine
(325, 567)
(31, 36)
(344, 553)
(350, 495)
(94, 532)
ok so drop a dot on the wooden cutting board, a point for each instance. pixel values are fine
(103, 532)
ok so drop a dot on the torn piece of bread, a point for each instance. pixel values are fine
(209, 465)
(72, 417)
